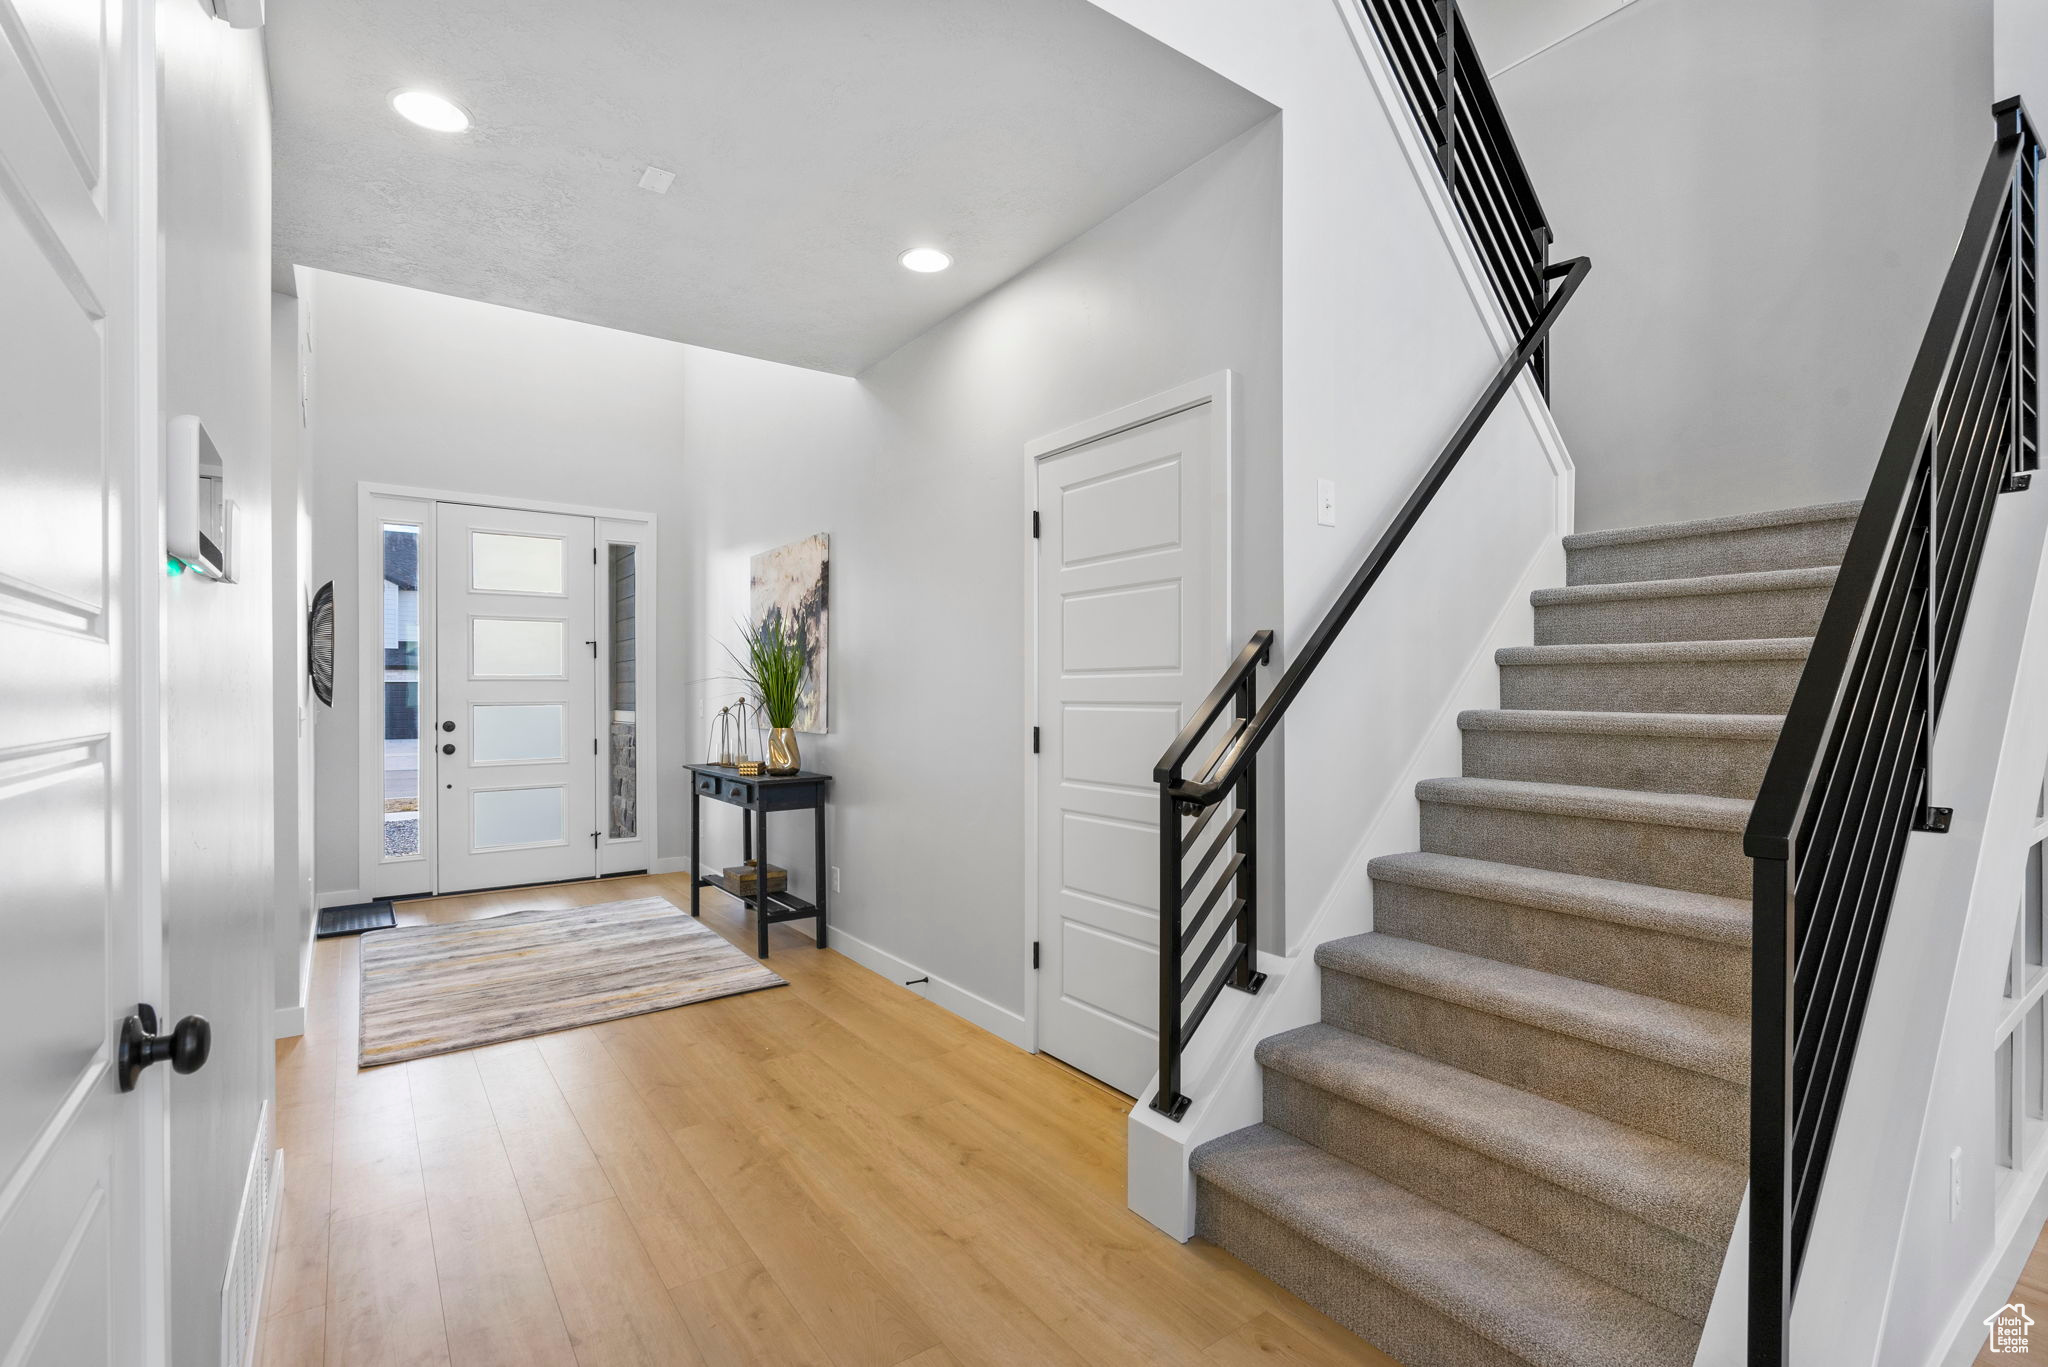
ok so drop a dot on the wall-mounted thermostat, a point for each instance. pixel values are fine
(199, 518)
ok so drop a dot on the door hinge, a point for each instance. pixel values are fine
(1034, 740)
(593, 745)
(593, 555)
(1034, 524)
(1034, 955)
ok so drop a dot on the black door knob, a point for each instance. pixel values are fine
(447, 749)
(186, 1048)
(447, 726)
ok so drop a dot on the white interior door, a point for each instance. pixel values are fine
(1131, 615)
(74, 1222)
(514, 722)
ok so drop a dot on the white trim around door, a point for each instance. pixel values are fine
(1218, 391)
(623, 845)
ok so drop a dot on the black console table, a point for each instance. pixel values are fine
(757, 796)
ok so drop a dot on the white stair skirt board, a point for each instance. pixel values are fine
(1003, 1023)
(241, 1295)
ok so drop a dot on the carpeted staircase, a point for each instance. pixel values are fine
(1518, 1133)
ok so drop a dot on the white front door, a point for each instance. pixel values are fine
(1131, 616)
(75, 1224)
(514, 722)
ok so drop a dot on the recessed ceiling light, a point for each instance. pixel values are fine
(430, 111)
(924, 260)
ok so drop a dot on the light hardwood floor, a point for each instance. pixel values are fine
(2031, 1291)
(830, 1174)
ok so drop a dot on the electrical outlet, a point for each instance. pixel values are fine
(835, 878)
(1955, 1183)
(1326, 503)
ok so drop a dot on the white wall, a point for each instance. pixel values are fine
(217, 670)
(918, 471)
(1384, 348)
(291, 568)
(1770, 191)
(424, 390)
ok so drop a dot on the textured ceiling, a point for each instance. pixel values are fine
(812, 141)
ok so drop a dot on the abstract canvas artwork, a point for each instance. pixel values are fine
(795, 581)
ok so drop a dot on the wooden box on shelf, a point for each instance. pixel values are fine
(738, 879)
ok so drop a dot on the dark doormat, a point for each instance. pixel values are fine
(354, 920)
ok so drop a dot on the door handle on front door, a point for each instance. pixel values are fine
(186, 1048)
(447, 726)
(448, 749)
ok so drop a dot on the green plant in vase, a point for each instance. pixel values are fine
(776, 666)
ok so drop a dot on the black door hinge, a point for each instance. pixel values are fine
(1034, 740)
(1034, 524)
(1034, 955)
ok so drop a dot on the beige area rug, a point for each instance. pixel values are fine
(435, 989)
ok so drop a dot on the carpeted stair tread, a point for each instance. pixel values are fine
(1704, 586)
(1744, 726)
(1512, 1296)
(1683, 1037)
(1713, 526)
(1695, 915)
(1657, 652)
(1656, 1180)
(1602, 804)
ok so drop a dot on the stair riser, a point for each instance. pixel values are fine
(1703, 973)
(1735, 686)
(1706, 1112)
(1698, 617)
(1390, 1320)
(1645, 1259)
(1712, 766)
(1798, 546)
(1682, 857)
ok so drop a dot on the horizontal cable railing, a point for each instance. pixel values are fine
(1849, 778)
(1430, 49)
(1208, 889)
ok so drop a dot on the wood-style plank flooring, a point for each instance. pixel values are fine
(2031, 1291)
(831, 1174)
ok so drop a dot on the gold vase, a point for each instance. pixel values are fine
(782, 752)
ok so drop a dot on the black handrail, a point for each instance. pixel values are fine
(1453, 103)
(1848, 779)
(1241, 751)
(1230, 771)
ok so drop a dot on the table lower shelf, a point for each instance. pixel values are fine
(782, 906)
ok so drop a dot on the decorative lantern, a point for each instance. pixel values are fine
(747, 749)
(722, 747)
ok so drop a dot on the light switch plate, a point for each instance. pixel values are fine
(1326, 503)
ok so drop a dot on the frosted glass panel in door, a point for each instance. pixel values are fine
(500, 562)
(517, 816)
(516, 733)
(515, 648)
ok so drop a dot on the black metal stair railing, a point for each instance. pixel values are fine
(1850, 776)
(1430, 48)
(1208, 813)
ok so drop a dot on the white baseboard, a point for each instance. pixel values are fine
(288, 1022)
(1004, 1024)
(676, 865)
(345, 897)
